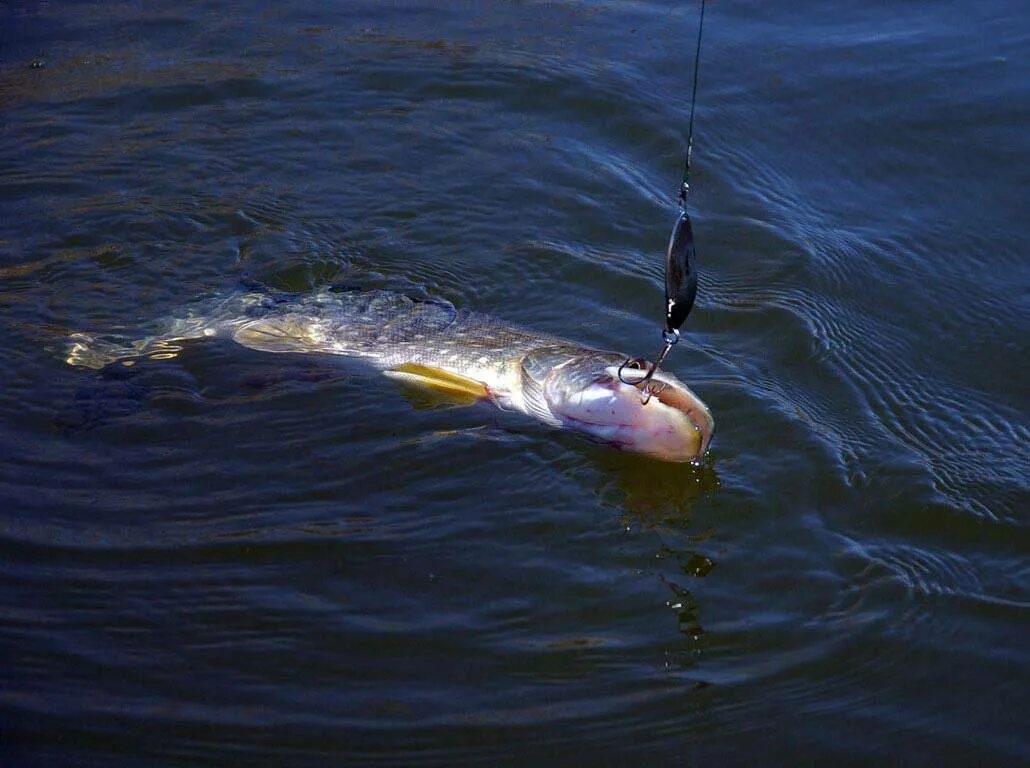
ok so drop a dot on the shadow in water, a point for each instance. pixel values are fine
(659, 498)
(656, 493)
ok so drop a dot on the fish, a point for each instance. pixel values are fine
(459, 354)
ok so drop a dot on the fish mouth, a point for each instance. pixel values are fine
(673, 425)
(678, 396)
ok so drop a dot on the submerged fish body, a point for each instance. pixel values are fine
(461, 353)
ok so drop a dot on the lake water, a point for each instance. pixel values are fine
(240, 558)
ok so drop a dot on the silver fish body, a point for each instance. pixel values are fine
(554, 380)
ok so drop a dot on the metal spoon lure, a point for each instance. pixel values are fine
(680, 292)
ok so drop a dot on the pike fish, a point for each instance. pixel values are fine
(459, 354)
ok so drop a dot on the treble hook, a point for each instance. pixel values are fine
(669, 338)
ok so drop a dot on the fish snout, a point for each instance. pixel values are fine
(676, 395)
(672, 425)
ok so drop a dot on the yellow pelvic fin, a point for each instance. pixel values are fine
(450, 387)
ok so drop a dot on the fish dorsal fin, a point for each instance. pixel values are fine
(450, 387)
(282, 333)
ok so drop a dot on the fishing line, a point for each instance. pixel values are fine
(680, 261)
(685, 186)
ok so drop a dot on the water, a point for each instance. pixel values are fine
(233, 557)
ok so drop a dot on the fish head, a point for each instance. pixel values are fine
(587, 393)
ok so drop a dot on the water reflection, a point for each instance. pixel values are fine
(659, 498)
(657, 493)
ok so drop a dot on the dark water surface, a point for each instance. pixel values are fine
(238, 558)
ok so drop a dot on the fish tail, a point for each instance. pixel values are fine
(219, 316)
(87, 351)
(95, 351)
